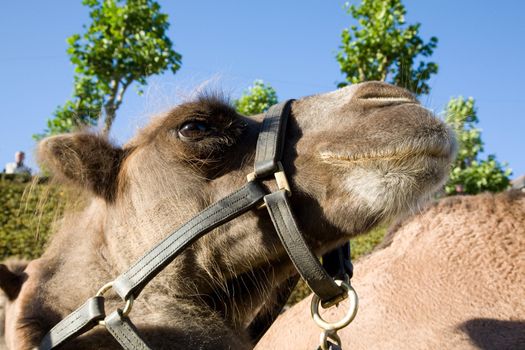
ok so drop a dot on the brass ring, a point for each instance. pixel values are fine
(104, 289)
(129, 301)
(129, 305)
(350, 315)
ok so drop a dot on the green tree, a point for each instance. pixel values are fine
(382, 47)
(83, 110)
(257, 99)
(469, 173)
(125, 43)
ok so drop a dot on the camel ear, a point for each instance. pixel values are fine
(10, 282)
(84, 159)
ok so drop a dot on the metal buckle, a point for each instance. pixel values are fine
(127, 307)
(336, 300)
(280, 178)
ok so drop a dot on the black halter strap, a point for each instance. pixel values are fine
(128, 285)
(337, 263)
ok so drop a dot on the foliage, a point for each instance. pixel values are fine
(364, 244)
(84, 110)
(126, 42)
(360, 245)
(257, 99)
(470, 174)
(383, 48)
(27, 212)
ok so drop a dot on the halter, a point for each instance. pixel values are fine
(268, 164)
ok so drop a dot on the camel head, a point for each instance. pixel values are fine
(354, 158)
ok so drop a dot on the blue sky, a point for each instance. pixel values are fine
(289, 44)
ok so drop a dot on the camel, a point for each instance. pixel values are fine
(452, 277)
(354, 157)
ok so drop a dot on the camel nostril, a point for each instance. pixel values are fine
(382, 93)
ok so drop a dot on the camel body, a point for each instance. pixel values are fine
(452, 277)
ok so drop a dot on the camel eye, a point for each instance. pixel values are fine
(194, 130)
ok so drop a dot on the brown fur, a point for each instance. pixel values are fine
(354, 157)
(83, 159)
(452, 277)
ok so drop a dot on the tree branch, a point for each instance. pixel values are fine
(120, 95)
(109, 107)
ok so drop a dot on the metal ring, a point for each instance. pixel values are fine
(350, 315)
(129, 302)
(129, 305)
(104, 289)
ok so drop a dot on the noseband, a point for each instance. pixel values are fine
(128, 285)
